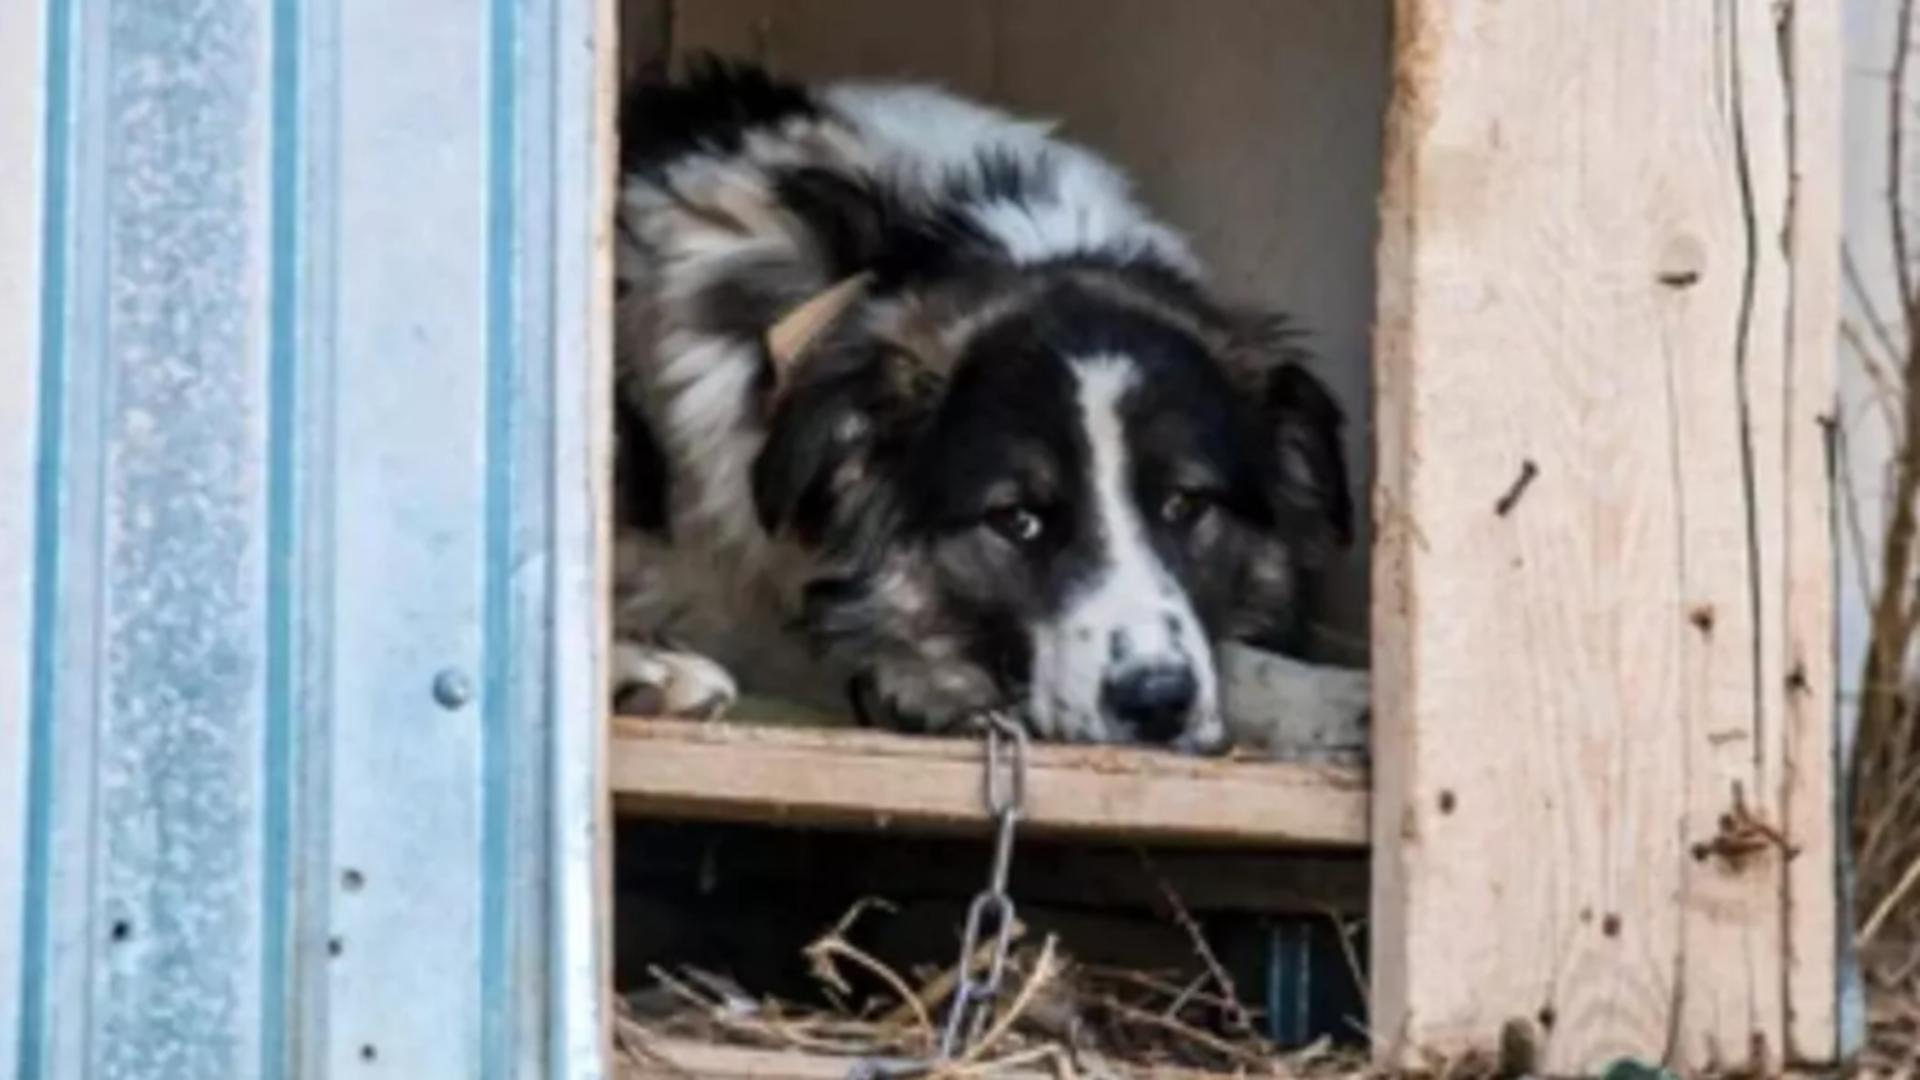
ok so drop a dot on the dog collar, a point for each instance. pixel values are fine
(787, 340)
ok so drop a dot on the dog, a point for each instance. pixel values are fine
(918, 408)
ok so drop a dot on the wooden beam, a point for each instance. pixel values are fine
(1812, 40)
(741, 772)
(711, 1061)
(1595, 272)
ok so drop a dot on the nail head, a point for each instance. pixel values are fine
(452, 689)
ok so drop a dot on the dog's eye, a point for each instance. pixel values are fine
(1018, 524)
(1182, 508)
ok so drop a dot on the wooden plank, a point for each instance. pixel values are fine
(1728, 391)
(619, 33)
(1813, 39)
(743, 772)
(1583, 279)
(711, 1061)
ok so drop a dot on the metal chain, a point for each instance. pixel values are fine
(1006, 796)
(991, 912)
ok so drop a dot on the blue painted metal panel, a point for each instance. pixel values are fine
(178, 653)
(23, 97)
(306, 746)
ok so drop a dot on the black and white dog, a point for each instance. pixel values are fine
(915, 399)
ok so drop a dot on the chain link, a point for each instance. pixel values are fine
(1007, 796)
(992, 911)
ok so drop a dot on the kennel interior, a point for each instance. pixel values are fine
(1255, 127)
(302, 662)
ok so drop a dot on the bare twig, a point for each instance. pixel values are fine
(1850, 507)
(936, 991)
(1032, 1055)
(833, 944)
(1862, 296)
(1185, 995)
(1145, 981)
(1232, 1051)
(822, 952)
(1886, 395)
(631, 1038)
(1888, 741)
(1044, 970)
(1352, 958)
(766, 1029)
(1198, 938)
(1893, 820)
(1887, 904)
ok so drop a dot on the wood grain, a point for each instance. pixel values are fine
(727, 771)
(1813, 918)
(1582, 267)
(715, 1062)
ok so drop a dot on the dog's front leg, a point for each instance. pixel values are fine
(647, 675)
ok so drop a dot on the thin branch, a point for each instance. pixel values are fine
(822, 953)
(1238, 1014)
(1857, 283)
(1231, 1051)
(1044, 970)
(1891, 824)
(1885, 397)
(1856, 532)
(1358, 974)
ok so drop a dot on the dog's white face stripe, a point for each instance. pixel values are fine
(1132, 615)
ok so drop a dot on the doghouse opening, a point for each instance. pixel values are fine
(1254, 127)
(735, 943)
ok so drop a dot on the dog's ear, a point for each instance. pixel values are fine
(1311, 467)
(1301, 423)
(832, 433)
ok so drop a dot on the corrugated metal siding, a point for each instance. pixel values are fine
(298, 753)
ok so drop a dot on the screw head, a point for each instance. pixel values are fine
(452, 689)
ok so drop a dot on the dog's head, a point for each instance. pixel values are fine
(1054, 491)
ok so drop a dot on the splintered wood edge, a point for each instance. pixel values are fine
(738, 772)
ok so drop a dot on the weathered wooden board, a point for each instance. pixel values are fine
(1606, 268)
(804, 776)
(1813, 917)
(684, 1057)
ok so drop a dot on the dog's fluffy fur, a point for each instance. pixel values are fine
(1035, 465)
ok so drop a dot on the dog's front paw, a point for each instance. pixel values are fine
(649, 681)
(1292, 710)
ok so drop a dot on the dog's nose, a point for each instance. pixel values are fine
(1153, 701)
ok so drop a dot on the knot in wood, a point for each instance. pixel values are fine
(1682, 262)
